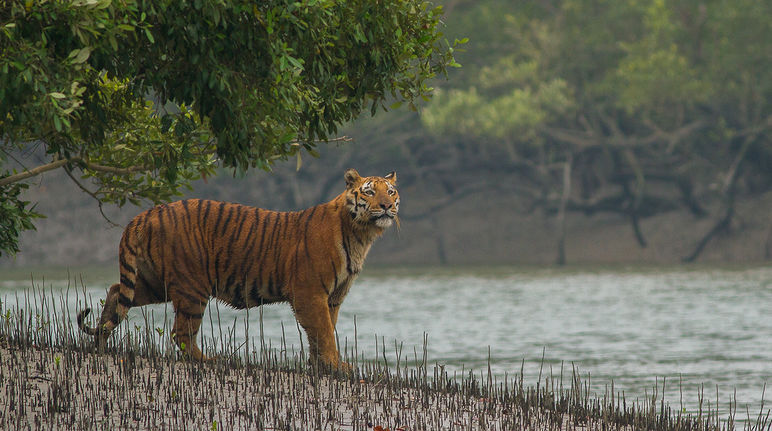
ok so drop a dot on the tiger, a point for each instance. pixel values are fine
(191, 251)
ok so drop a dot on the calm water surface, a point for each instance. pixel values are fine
(698, 328)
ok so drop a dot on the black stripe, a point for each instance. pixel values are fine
(127, 282)
(245, 258)
(254, 293)
(231, 210)
(248, 252)
(206, 212)
(241, 218)
(149, 240)
(125, 301)
(232, 241)
(162, 233)
(286, 225)
(216, 226)
(188, 218)
(127, 232)
(274, 229)
(308, 222)
(115, 318)
(223, 248)
(275, 248)
(260, 249)
(273, 244)
(197, 241)
(184, 294)
(185, 233)
(229, 282)
(238, 297)
(199, 209)
(125, 265)
(271, 286)
(335, 271)
(173, 216)
(345, 247)
(201, 241)
(217, 272)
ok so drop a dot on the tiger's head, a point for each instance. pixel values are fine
(372, 200)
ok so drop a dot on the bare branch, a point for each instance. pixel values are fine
(33, 172)
(56, 164)
(68, 171)
(109, 169)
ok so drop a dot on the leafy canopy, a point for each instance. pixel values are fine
(139, 97)
(632, 84)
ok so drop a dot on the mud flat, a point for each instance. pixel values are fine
(52, 379)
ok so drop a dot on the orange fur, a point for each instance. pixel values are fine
(190, 251)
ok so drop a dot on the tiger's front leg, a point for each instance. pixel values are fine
(187, 322)
(313, 314)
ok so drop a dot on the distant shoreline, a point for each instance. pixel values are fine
(477, 229)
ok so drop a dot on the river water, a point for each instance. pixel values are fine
(695, 329)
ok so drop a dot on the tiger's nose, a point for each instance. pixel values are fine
(386, 205)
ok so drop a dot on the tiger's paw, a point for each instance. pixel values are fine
(329, 366)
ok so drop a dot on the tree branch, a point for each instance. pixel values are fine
(56, 164)
(68, 171)
(32, 172)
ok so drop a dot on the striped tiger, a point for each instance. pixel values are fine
(191, 251)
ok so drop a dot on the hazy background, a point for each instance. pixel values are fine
(576, 131)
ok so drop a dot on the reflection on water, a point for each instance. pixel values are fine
(700, 329)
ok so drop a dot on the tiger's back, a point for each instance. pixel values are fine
(241, 255)
(190, 251)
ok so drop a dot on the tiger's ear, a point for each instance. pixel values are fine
(352, 178)
(391, 177)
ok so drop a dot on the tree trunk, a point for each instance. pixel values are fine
(561, 259)
(729, 188)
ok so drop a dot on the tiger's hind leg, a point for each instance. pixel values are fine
(146, 289)
(187, 322)
(109, 318)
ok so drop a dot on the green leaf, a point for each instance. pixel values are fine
(113, 41)
(82, 55)
(57, 95)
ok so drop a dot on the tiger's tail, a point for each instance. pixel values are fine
(82, 325)
(119, 299)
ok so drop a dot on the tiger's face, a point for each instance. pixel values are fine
(372, 200)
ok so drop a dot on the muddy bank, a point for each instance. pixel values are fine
(48, 388)
(53, 379)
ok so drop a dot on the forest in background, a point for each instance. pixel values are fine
(576, 131)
